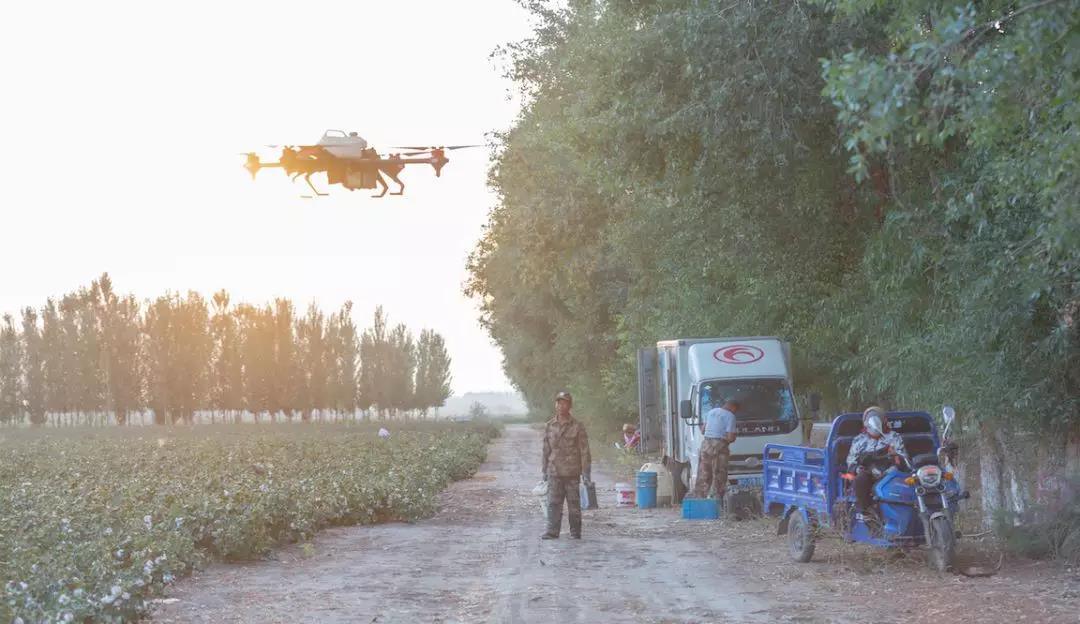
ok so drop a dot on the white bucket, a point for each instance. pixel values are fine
(624, 495)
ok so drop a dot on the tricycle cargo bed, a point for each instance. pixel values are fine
(795, 479)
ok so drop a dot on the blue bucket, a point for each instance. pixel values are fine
(646, 490)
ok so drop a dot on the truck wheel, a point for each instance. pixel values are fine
(678, 487)
(742, 505)
(800, 538)
(942, 543)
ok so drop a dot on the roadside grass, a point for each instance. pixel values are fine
(96, 521)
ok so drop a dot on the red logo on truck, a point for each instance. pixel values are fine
(738, 354)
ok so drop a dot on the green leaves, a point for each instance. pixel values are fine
(96, 527)
(884, 183)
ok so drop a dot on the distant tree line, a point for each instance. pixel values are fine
(95, 356)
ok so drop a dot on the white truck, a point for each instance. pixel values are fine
(681, 379)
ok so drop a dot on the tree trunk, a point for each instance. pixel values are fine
(990, 476)
(1017, 491)
(1072, 454)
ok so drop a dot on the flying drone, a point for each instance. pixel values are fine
(347, 160)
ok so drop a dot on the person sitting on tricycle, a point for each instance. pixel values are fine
(876, 441)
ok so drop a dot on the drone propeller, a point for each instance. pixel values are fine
(420, 150)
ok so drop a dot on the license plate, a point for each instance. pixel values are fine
(748, 483)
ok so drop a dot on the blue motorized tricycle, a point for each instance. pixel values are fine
(810, 490)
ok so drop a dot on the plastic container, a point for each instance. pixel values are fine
(663, 482)
(700, 509)
(646, 490)
(624, 495)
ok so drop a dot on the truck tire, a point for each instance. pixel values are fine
(941, 540)
(800, 538)
(678, 486)
(742, 505)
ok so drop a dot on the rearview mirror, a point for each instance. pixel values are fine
(686, 409)
(815, 402)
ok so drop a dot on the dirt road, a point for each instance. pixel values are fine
(480, 559)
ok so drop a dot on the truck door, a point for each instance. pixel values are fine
(649, 419)
(669, 401)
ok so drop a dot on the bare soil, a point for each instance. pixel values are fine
(480, 559)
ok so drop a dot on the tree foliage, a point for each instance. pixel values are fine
(891, 186)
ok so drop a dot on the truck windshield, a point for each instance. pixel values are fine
(759, 399)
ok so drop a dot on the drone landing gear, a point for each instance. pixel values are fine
(307, 178)
(385, 187)
(382, 182)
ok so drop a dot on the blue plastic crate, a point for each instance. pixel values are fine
(700, 509)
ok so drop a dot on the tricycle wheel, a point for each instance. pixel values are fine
(942, 543)
(800, 538)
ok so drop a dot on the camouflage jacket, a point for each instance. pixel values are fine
(863, 443)
(566, 449)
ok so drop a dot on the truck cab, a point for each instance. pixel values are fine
(682, 379)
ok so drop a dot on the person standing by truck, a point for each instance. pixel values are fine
(718, 427)
(566, 460)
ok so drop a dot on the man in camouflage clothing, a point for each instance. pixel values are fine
(566, 460)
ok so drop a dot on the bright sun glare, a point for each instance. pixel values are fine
(129, 119)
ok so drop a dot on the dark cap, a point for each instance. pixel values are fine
(564, 396)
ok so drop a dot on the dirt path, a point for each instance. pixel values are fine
(480, 559)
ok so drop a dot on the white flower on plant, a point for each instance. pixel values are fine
(68, 617)
(107, 599)
(63, 599)
(264, 488)
(148, 567)
(125, 596)
(179, 522)
(108, 531)
(116, 589)
(148, 521)
(23, 585)
(78, 592)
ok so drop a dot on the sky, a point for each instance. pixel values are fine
(124, 125)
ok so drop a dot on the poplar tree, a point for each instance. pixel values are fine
(11, 408)
(33, 367)
(285, 372)
(374, 373)
(312, 358)
(226, 367)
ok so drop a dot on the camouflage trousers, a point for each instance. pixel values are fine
(560, 488)
(712, 467)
